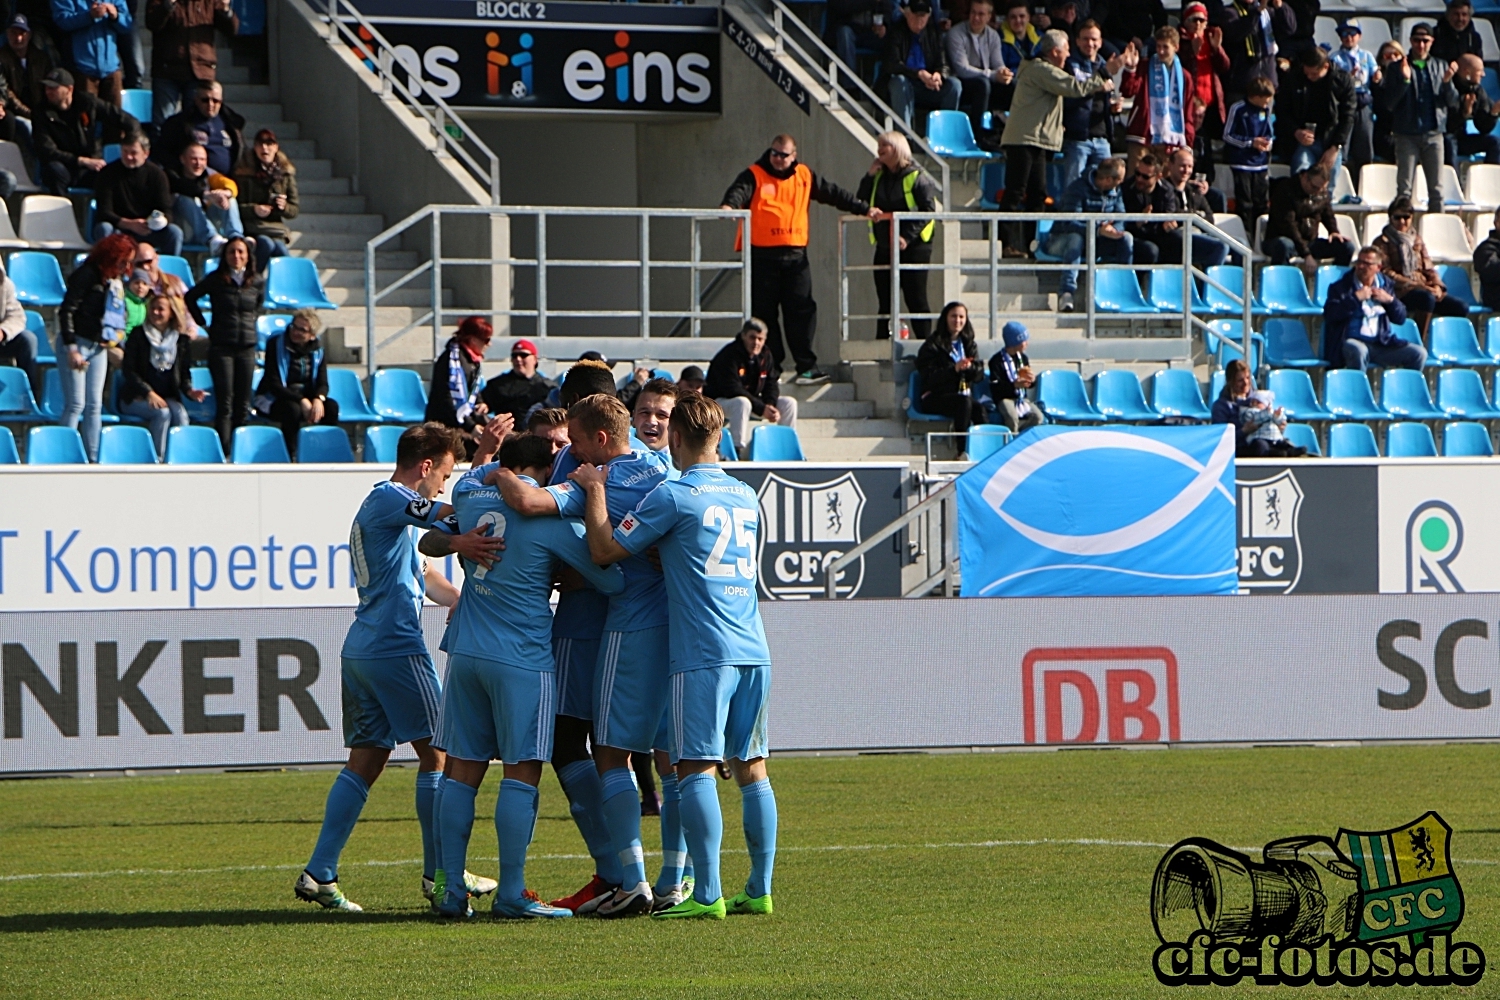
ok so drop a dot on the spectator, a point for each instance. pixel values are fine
(854, 25)
(133, 195)
(1206, 62)
(204, 204)
(777, 190)
(652, 411)
(1357, 318)
(551, 424)
(268, 189)
(1247, 146)
(1064, 15)
(156, 375)
(1035, 130)
(1315, 112)
(210, 123)
(895, 184)
(1251, 28)
(1456, 35)
(1018, 43)
(90, 320)
(71, 131)
(1129, 22)
(11, 121)
(519, 390)
(1179, 192)
(1300, 203)
(977, 62)
(916, 64)
(1097, 192)
(1257, 426)
(94, 27)
(24, 65)
(1474, 105)
(236, 291)
(1088, 122)
(453, 394)
(1162, 116)
(293, 391)
(627, 392)
(1011, 381)
(183, 48)
(691, 380)
(1384, 144)
(1138, 196)
(1409, 268)
(1487, 266)
(1419, 91)
(947, 365)
(17, 343)
(745, 378)
(137, 292)
(170, 285)
(1364, 71)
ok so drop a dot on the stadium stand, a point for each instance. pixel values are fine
(126, 445)
(1349, 440)
(1466, 440)
(258, 444)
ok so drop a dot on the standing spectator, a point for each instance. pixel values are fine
(95, 27)
(777, 190)
(1487, 266)
(1300, 203)
(24, 65)
(70, 132)
(1247, 146)
(210, 123)
(91, 320)
(1177, 193)
(895, 184)
(1018, 43)
(1364, 71)
(156, 375)
(1389, 57)
(1130, 22)
(17, 343)
(916, 64)
(1035, 129)
(1088, 122)
(1204, 59)
(162, 283)
(975, 57)
(268, 196)
(691, 380)
(1251, 28)
(1162, 117)
(1097, 192)
(1456, 35)
(552, 425)
(521, 389)
(133, 195)
(11, 121)
(1474, 105)
(745, 378)
(854, 25)
(1064, 15)
(235, 292)
(1315, 112)
(947, 365)
(453, 393)
(1409, 268)
(293, 391)
(1011, 381)
(1419, 91)
(183, 48)
(205, 204)
(1357, 318)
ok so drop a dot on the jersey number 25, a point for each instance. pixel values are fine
(742, 527)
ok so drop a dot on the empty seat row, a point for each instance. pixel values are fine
(1402, 440)
(130, 445)
(291, 282)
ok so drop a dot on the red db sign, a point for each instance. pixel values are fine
(1100, 694)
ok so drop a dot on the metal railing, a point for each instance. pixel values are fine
(548, 261)
(934, 524)
(347, 26)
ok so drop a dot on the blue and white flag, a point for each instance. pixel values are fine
(1105, 512)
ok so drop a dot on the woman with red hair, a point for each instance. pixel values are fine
(453, 397)
(90, 321)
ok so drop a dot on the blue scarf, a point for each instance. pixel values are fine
(458, 389)
(113, 320)
(1167, 93)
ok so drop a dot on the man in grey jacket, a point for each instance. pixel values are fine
(976, 60)
(1415, 94)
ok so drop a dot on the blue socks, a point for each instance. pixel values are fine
(622, 817)
(759, 804)
(345, 801)
(673, 844)
(515, 822)
(580, 783)
(427, 786)
(703, 826)
(456, 820)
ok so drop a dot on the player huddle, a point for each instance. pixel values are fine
(656, 647)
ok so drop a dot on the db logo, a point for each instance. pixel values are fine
(1135, 698)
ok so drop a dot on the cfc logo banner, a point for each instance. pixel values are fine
(803, 527)
(1270, 549)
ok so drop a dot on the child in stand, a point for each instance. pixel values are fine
(136, 294)
(1247, 146)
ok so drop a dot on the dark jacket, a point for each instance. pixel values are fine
(515, 394)
(743, 188)
(1487, 269)
(125, 193)
(281, 355)
(254, 191)
(1135, 202)
(1001, 386)
(81, 315)
(441, 406)
(1123, 20)
(1448, 45)
(1417, 106)
(235, 308)
(1295, 214)
(82, 130)
(898, 43)
(886, 191)
(733, 372)
(1218, 68)
(185, 127)
(1483, 114)
(1087, 117)
(1165, 200)
(1343, 313)
(139, 377)
(935, 363)
(1226, 410)
(1244, 40)
(1331, 103)
(25, 83)
(842, 12)
(1083, 195)
(182, 37)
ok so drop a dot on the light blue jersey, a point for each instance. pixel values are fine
(631, 477)
(388, 572)
(704, 525)
(580, 613)
(504, 613)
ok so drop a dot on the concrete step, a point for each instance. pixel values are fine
(351, 204)
(236, 94)
(313, 169)
(334, 185)
(297, 149)
(342, 295)
(399, 261)
(305, 236)
(227, 72)
(818, 427)
(258, 111)
(828, 392)
(350, 223)
(836, 409)
(978, 304)
(354, 277)
(285, 131)
(854, 449)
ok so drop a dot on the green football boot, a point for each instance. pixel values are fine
(690, 909)
(743, 903)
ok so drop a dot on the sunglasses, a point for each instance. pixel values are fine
(210, 100)
(521, 354)
(1401, 218)
(778, 154)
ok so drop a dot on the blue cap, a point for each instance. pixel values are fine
(1350, 26)
(19, 21)
(1015, 334)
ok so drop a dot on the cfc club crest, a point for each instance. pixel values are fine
(1270, 549)
(803, 527)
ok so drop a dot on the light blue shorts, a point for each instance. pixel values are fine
(575, 660)
(719, 713)
(389, 701)
(630, 688)
(494, 711)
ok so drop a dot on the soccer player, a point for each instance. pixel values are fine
(704, 526)
(653, 408)
(501, 692)
(390, 689)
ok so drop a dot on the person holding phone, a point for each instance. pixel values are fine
(268, 196)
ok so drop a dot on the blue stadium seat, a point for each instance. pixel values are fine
(323, 444)
(111, 154)
(1064, 398)
(1403, 394)
(345, 390)
(991, 183)
(1232, 277)
(126, 446)
(1461, 395)
(1347, 395)
(1215, 387)
(136, 103)
(1409, 332)
(1119, 292)
(1294, 393)
(194, 446)
(267, 327)
(52, 399)
(201, 412)
(986, 439)
(913, 398)
(176, 266)
(1284, 291)
(397, 395)
(17, 405)
(1459, 287)
(1287, 345)
(380, 444)
(210, 265)
(1166, 291)
(38, 278)
(950, 134)
(1303, 436)
(1410, 440)
(1454, 342)
(293, 283)
(38, 326)
(1117, 395)
(726, 446)
(1466, 439)
(258, 444)
(1227, 337)
(8, 453)
(1352, 441)
(1175, 393)
(55, 445)
(1327, 275)
(775, 443)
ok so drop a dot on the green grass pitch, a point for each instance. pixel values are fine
(894, 879)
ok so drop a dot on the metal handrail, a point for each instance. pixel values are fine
(937, 499)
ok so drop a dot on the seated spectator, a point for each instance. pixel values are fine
(133, 195)
(1456, 35)
(453, 393)
(1178, 193)
(137, 292)
(1419, 93)
(94, 27)
(745, 379)
(1097, 192)
(1362, 307)
(71, 133)
(1299, 203)
(1487, 266)
(653, 409)
(1258, 423)
(916, 64)
(210, 123)
(156, 375)
(854, 25)
(1247, 147)
(520, 390)
(268, 196)
(894, 183)
(1316, 108)
(1019, 41)
(24, 65)
(183, 48)
(1163, 114)
(1011, 381)
(91, 321)
(1088, 122)
(947, 365)
(1364, 71)
(17, 343)
(293, 391)
(691, 380)
(162, 283)
(1474, 105)
(1138, 196)
(976, 60)
(204, 203)
(1409, 268)
(552, 424)
(236, 293)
